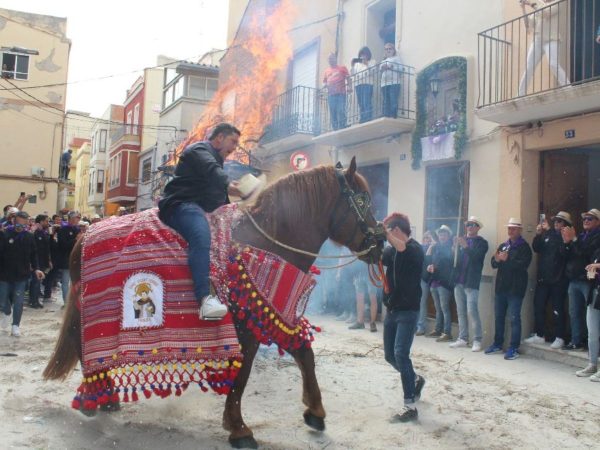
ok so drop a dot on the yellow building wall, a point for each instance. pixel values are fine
(31, 130)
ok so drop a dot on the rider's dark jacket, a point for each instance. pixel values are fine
(199, 178)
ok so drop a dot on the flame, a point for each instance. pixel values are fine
(250, 78)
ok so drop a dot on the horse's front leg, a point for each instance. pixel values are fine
(314, 416)
(240, 434)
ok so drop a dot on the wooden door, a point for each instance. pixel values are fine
(564, 184)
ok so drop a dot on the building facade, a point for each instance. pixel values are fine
(187, 90)
(466, 135)
(34, 51)
(100, 134)
(81, 156)
(137, 133)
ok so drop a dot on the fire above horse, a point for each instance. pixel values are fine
(287, 225)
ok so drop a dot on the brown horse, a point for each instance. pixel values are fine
(299, 211)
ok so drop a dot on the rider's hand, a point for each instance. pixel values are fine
(232, 189)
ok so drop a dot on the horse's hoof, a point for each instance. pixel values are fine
(243, 442)
(318, 423)
(110, 407)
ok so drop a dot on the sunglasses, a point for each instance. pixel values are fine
(589, 218)
(470, 224)
(19, 226)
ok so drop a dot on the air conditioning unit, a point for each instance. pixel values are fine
(37, 171)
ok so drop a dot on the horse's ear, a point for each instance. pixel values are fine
(352, 169)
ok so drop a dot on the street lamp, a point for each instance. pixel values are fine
(434, 86)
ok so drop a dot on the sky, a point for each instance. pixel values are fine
(118, 37)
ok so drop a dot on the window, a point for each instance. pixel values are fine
(102, 143)
(446, 197)
(174, 92)
(100, 181)
(91, 183)
(15, 65)
(129, 121)
(202, 88)
(136, 118)
(168, 97)
(178, 92)
(115, 170)
(146, 170)
(132, 168)
(170, 75)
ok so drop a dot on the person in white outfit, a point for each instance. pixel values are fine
(546, 39)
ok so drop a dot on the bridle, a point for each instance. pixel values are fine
(359, 203)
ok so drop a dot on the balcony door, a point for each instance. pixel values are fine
(302, 99)
(585, 52)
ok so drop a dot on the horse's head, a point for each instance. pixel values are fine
(352, 222)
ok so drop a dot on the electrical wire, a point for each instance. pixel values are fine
(82, 118)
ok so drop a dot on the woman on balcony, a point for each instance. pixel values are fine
(363, 77)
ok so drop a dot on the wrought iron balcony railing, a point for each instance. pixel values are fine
(383, 90)
(551, 47)
(295, 112)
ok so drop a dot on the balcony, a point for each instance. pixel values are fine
(125, 134)
(542, 65)
(294, 120)
(379, 103)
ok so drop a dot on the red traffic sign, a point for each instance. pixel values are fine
(299, 161)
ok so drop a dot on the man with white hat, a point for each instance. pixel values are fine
(552, 283)
(469, 265)
(579, 250)
(512, 258)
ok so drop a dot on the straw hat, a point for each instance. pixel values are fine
(514, 222)
(564, 216)
(254, 185)
(592, 212)
(475, 220)
(445, 228)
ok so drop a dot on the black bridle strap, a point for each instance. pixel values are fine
(353, 201)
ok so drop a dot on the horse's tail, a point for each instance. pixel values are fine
(68, 347)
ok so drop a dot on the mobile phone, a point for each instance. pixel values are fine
(32, 199)
(542, 218)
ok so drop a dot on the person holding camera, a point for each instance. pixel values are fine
(403, 261)
(363, 78)
(18, 257)
(512, 258)
(552, 283)
(579, 251)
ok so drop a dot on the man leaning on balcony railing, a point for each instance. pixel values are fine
(546, 38)
(336, 80)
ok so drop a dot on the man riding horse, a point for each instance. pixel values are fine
(200, 186)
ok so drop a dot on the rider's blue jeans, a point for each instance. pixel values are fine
(189, 220)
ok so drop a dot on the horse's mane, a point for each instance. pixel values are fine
(298, 196)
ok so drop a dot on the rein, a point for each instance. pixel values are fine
(304, 252)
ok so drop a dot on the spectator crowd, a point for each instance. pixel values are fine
(34, 259)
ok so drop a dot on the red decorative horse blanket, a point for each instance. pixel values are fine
(140, 327)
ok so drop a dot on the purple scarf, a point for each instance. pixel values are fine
(509, 245)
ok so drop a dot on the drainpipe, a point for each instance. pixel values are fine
(338, 30)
